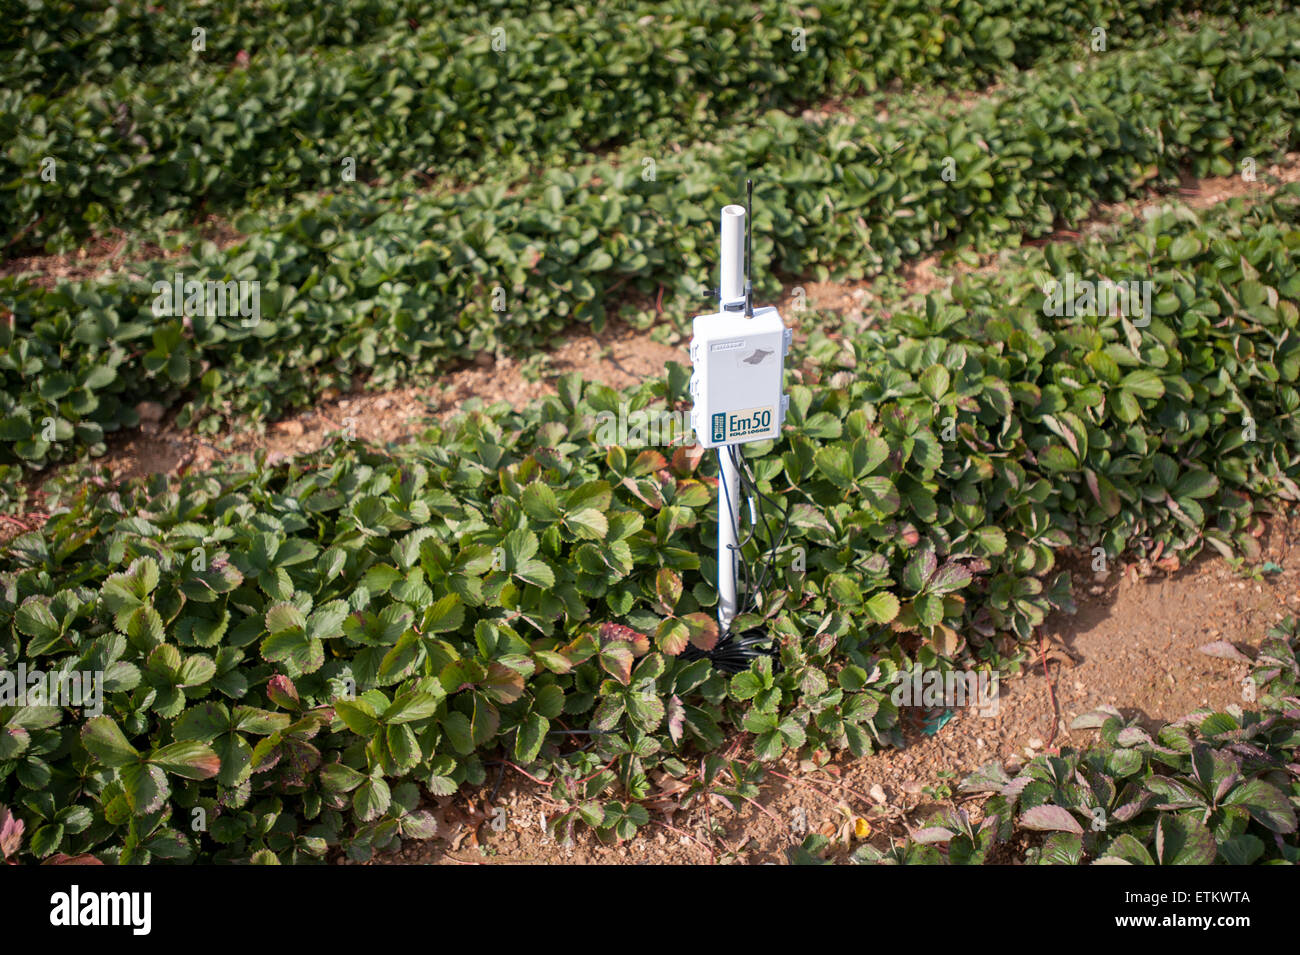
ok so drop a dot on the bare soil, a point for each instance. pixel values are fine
(929, 274)
(618, 357)
(105, 256)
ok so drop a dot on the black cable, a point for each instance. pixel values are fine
(750, 482)
(753, 527)
(777, 544)
(752, 579)
(740, 562)
(734, 653)
(777, 541)
(737, 461)
(751, 587)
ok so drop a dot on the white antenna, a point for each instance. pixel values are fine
(731, 288)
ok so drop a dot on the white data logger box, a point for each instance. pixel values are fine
(739, 376)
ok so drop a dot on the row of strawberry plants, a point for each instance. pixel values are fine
(353, 287)
(1213, 787)
(443, 100)
(51, 47)
(289, 653)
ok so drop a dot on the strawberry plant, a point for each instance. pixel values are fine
(290, 652)
(53, 47)
(214, 131)
(354, 287)
(282, 660)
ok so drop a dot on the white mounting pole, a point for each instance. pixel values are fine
(728, 535)
(731, 290)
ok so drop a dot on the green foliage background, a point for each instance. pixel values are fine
(462, 586)
(300, 650)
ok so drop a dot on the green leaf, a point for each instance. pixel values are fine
(445, 615)
(203, 722)
(1196, 484)
(836, 464)
(189, 758)
(531, 735)
(882, 607)
(935, 381)
(284, 617)
(104, 739)
(746, 685)
(536, 572)
(1126, 848)
(919, 570)
(1266, 804)
(338, 778)
(459, 731)
(403, 746)
(145, 787)
(1184, 247)
(540, 503)
(196, 670)
(1144, 384)
(1184, 841)
(1241, 850)
(36, 621)
(1062, 848)
(358, 716)
(295, 649)
(588, 523)
(411, 707)
(372, 799)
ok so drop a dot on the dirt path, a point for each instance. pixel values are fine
(619, 357)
